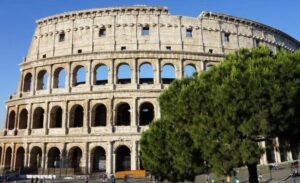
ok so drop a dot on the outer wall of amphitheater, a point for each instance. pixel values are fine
(93, 123)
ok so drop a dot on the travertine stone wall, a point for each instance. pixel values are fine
(110, 37)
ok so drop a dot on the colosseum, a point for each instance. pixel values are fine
(91, 79)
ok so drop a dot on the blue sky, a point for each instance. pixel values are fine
(17, 23)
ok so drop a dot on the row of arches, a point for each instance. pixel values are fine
(76, 116)
(146, 75)
(56, 158)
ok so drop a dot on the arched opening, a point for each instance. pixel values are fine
(27, 82)
(146, 74)
(20, 158)
(98, 158)
(295, 152)
(101, 75)
(123, 115)
(53, 158)
(124, 74)
(79, 76)
(35, 158)
(99, 115)
(56, 117)
(11, 120)
(42, 80)
(123, 160)
(76, 116)
(207, 67)
(146, 113)
(270, 151)
(189, 70)
(74, 158)
(23, 119)
(8, 156)
(167, 74)
(38, 118)
(59, 78)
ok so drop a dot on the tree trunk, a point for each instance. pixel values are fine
(252, 170)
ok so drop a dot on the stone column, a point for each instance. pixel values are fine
(44, 156)
(21, 81)
(3, 157)
(16, 125)
(134, 156)
(85, 158)
(65, 123)
(134, 72)
(276, 151)
(26, 156)
(179, 71)
(134, 117)
(33, 82)
(69, 77)
(46, 117)
(263, 159)
(86, 124)
(29, 126)
(109, 158)
(13, 157)
(89, 75)
(50, 79)
(110, 74)
(157, 72)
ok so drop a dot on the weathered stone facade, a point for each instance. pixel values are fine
(95, 124)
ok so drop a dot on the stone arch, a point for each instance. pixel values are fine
(23, 119)
(56, 117)
(20, 158)
(11, 120)
(42, 78)
(101, 74)
(208, 65)
(38, 118)
(189, 70)
(8, 158)
(53, 158)
(76, 116)
(146, 73)
(74, 158)
(35, 158)
(79, 75)
(167, 73)
(123, 116)
(98, 159)
(99, 115)
(27, 85)
(146, 113)
(123, 74)
(123, 158)
(59, 78)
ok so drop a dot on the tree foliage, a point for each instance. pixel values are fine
(253, 95)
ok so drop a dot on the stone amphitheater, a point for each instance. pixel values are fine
(61, 120)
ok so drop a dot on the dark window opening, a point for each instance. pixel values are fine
(76, 117)
(35, 158)
(79, 51)
(23, 119)
(61, 37)
(189, 33)
(38, 118)
(145, 31)
(257, 42)
(168, 48)
(123, 48)
(123, 115)
(98, 159)
(11, 120)
(146, 114)
(210, 51)
(44, 56)
(226, 37)
(56, 117)
(8, 158)
(74, 158)
(99, 115)
(20, 158)
(59, 78)
(102, 32)
(123, 160)
(27, 82)
(53, 158)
